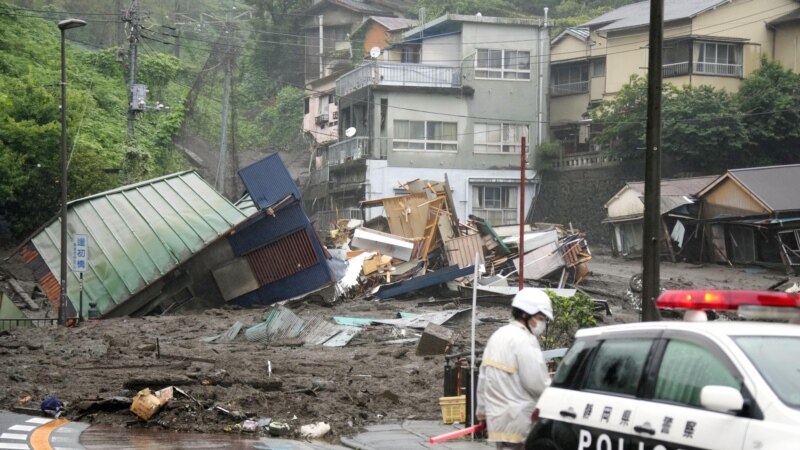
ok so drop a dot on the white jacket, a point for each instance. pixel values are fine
(513, 375)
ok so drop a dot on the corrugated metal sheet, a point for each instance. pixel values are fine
(461, 250)
(283, 258)
(281, 323)
(137, 234)
(267, 181)
(263, 229)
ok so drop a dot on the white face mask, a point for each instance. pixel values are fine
(538, 330)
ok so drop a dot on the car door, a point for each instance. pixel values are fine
(597, 410)
(671, 417)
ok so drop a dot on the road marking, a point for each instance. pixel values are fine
(3, 445)
(21, 427)
(17, 436)
(40, 439)
(39, 420)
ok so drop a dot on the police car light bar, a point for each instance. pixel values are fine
(753, 304)
(726, 299)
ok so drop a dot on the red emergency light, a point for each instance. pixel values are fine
(758, 305)
(726, 299)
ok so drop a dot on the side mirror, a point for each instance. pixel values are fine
(721, 398)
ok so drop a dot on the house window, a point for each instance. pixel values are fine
(425, 135)
(569, 79)
(498, 137)
(410, 55)
(496, 204)
(503, 64)
(676, 57)
(307, 107)
(598, 68)
(712, 58)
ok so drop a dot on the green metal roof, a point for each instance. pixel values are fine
(137, 234)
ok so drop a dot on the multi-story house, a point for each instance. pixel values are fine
(452, 98)
(330, 30)
(706, 42)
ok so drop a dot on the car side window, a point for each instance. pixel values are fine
(685, 369)
(617, 366)
(569, 364)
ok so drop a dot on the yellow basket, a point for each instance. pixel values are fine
(454, 409)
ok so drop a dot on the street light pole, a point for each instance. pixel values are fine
(62, 305)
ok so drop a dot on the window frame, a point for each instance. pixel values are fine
(582, 85)
(700, 58)
(502, 143)
(424, 144)
(479, 208)
(642, 384)
(505, 68)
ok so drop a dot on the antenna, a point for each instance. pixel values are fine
(374, 52)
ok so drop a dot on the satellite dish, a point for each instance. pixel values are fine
(479, 15)
(374, 52)
(350, 132)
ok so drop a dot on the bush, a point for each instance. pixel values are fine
(569, 315)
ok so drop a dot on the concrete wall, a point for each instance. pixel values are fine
(441, 51)
(578, 196)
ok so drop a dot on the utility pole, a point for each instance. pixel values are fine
(132, 17)
(652, 185)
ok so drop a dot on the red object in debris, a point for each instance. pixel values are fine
(454, 434)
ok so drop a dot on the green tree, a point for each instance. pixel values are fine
(770, 103)
(622, 120)
(701, 126)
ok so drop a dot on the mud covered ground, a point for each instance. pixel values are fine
(98, 367)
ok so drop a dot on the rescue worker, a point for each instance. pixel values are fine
(513, 372)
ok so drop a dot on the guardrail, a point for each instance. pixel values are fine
(7, 324)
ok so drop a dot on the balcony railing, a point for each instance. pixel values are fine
(727, 70)
(389, 74)
(675, 69)
(579, 87)
(583, 160)
(322, 118)
(351, 149)
(356, 148)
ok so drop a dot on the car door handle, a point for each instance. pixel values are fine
(568, 413)
(644, 429)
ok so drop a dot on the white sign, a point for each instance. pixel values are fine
(80, 254)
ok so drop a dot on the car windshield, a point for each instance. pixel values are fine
(777, 358)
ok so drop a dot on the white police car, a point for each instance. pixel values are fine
(722, 385)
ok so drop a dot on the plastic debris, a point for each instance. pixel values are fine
(315, 430)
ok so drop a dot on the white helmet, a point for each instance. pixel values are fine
(533, 301)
